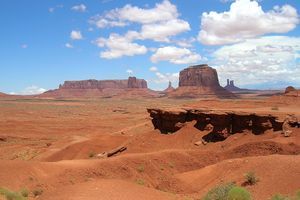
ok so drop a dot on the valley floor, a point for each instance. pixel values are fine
(51, 146)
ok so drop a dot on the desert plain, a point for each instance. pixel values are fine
(54, 148)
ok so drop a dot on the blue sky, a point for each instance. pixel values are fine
(44, 43)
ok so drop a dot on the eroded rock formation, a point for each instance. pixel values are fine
(170, 88)
(128, 88)
(199, 75)
(221, 123)
(289, 89)
(199, 81)
(231, 87)
(292, 92)
(131, 82)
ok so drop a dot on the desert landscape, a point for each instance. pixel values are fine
(130, 145)
(150, 100)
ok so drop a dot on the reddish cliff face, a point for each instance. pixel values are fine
(132, 87)
(222, 123)
(199, 75)
(200, 81)
(132, 82)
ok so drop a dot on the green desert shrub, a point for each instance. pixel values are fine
(297, 197)
(24, 192)
(141, 168)
(279, 197)
(238, 193)
(140, 182)
(219, 192)
(11, 195)
(250, 178)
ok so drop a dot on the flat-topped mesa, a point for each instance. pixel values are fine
(199, 75)
(131, 82)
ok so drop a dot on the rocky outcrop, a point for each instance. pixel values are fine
(170, 88)
(221, 123)
(231, 87)
(199, 75)
(200, 81)
(289, 89)
(131, 82)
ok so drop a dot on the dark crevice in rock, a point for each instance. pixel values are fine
(220, 123)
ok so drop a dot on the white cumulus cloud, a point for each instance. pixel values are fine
(119, 46)
(68, 45)
(79, 8)
(175, 55)
(162, 31)
(76, 35)
(153, 69)
(31, 90)
(163, 11)
(166, 77)
(245, 19)
(268, 59)
(158, 23)
(129, 71)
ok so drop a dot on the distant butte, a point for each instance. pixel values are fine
(200, 81)
(231, 87)
(131, 87)
(291, 91)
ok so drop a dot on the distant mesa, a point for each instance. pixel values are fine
(102, 88)
(131, 82)
(291, 91)
(2, 94)
(200, 81)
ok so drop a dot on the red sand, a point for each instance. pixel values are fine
(47, 144)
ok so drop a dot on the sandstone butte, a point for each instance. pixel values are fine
(200, 81)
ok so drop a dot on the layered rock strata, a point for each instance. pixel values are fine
(199, 81)
(221, 123)
(131, 82)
